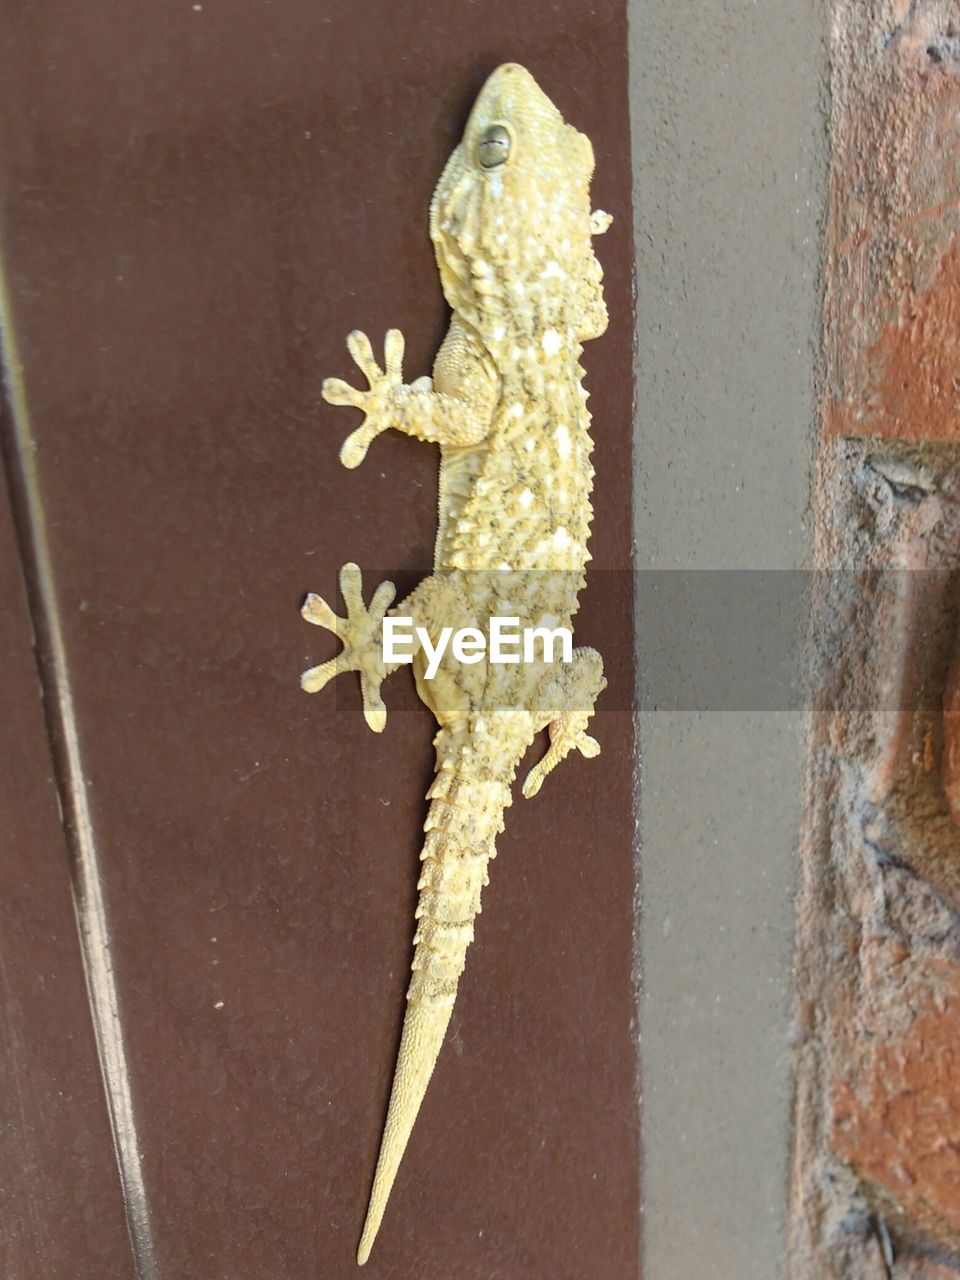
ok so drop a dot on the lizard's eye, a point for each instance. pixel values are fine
(493, 147)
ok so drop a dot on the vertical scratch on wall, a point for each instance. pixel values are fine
(65, 744)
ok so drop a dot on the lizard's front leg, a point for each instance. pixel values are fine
(361, 633)
(435, 605)
(566, 707)
(454, 407)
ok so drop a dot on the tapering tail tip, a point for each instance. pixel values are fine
(424, 1026)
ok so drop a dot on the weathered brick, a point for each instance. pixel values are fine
(878, 960)
(892, 313)
(950, 761)
(876, 1179)
(896, 1111)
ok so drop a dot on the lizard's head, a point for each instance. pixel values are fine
(511, 220)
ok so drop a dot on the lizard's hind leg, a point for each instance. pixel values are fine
(568, 703)
(361, 633)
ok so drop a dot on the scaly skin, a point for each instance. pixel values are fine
(511, 225)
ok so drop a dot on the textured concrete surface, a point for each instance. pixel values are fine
(728, 157)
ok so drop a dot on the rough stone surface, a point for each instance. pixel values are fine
(893, 303)
(876, 1172)
(950, 762)
(897, 1110)
(878, 966)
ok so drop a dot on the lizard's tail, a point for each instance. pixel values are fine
(465, 817)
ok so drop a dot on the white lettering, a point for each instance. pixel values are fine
(547, 636)
(508, 643)
(391, 640)
(469, 645)
(434, 655)
(499, 637)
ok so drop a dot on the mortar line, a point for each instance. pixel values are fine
(64, 742)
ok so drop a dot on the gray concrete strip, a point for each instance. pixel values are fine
(729, 161)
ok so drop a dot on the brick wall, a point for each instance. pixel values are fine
(876, 1173)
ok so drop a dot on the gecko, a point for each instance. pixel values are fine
(512, 229)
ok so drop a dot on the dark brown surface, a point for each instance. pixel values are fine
(61, 1214)
(199, 204)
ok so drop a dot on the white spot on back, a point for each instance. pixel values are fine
(562, 437)
(551, 342)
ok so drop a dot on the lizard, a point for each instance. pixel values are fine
(512, 226)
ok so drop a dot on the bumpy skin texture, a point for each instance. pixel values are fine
(512, 225)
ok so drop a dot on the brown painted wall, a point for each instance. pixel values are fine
(197, 205)
(61, 1212)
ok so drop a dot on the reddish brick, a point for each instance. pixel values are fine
(892, 313)
(924, 1269)
(897, 1119)
(913, 369)
(876, 1172)
(950, 762)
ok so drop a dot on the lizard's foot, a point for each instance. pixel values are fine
(375, 403)
(566, 732)
(361, 634)
(569, 706)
